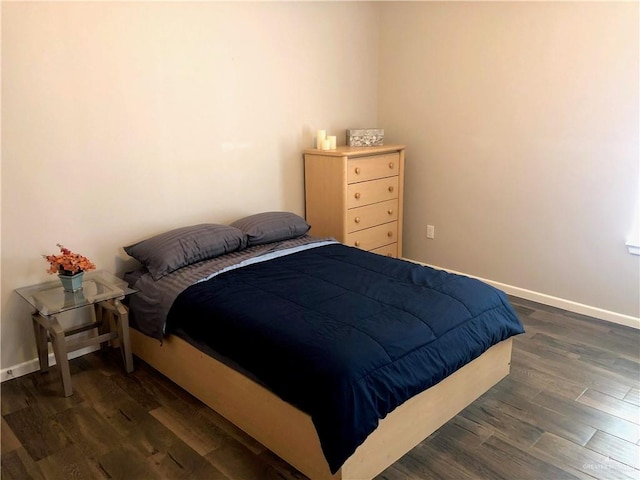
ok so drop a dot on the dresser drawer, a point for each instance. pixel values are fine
(355, 194)
(362, 169)
(390, 250)
(372, 215)
(374, 191)
(374, 237)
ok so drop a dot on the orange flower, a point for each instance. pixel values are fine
(68, 263)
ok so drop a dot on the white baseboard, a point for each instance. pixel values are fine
(34, 365)
(575, 307)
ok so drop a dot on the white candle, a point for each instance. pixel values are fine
(332, 142)
(326, 145)
(322, 136)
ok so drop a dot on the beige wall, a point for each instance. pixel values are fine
(123, 120)
(521, 120)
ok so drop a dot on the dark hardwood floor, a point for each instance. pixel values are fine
(569, 409)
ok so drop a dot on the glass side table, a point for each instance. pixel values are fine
(100, 289)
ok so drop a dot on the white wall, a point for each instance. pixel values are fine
(122, 120)
(521, 121)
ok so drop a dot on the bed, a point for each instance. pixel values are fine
(336, 359)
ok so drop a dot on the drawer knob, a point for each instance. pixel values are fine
(357, 195)
(391, 188)
(389, 233)
(391, 165)
(390, 211)
(357, 170)
(357, 244)
(357, 219)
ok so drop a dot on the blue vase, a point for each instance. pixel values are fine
(71, 283)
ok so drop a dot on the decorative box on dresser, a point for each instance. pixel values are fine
(355, 195)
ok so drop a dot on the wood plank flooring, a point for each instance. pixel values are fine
(570, 409)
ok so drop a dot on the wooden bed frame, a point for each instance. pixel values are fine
(289, 432)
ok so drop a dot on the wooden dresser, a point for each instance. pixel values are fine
(354, 194)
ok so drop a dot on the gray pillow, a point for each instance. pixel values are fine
(270, 227)
(169, 251)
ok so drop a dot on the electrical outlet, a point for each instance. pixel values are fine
(431, 232)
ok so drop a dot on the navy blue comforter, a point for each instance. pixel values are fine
(343, 334)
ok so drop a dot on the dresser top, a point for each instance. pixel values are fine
(344, 150)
